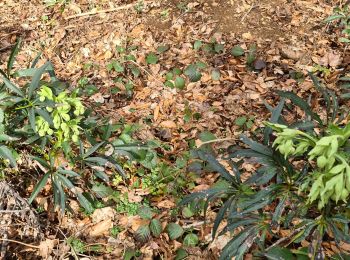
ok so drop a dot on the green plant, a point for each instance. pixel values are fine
(300, 183)
(153, 227)
(342, 16)
(71, 145)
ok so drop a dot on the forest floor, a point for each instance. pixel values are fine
(83, 41)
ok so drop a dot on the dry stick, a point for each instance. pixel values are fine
(285, 238)
(250, 9)
(217, 140)
(101, 11)
(18, 242)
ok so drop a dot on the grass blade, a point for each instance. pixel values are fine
(13, 55)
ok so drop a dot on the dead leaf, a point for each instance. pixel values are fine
(166, 204)
(103, 214)
(99, 229)
(46, 247)
(168, 124)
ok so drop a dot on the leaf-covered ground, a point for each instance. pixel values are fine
(135, 61)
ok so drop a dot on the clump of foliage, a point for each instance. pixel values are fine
(341, 15)
(73, 147)
(301, 183)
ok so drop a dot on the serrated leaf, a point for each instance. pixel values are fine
(145, 212)
(187, 212)
(12, 87)
(191, 240)
(181, 254)
(174, 231)
(102, 191)
(179, 82)
(85, 202)
(143, 233)
(192, 73)
(40, 185)
(237, 51)
(155, 227)
(152, 58)
(13, 55)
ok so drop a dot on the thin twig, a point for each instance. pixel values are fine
(18, 242)
(217, 140)
(250, 9)
(13, 211)
(100, 11)
(285, 238)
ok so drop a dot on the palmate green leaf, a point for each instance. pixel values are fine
(155, 227)
(13, 55)
(6, 153)
(257, 147)
(40, 185)
(68, 172)
(300, 103)
(12, 87)
(143, 233)
(41, 161)
(174, 231)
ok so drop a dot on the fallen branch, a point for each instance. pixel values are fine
(100, 11)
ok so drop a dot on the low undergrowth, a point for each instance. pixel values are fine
(297, 196)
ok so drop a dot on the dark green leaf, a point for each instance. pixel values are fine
(278, 253)
(145, 212)
(34, 84)
(237, 51)
(181, 254)
(191, 240)
(143, 233)
(6, 153)
(13, 55)
(152, 58)
(192, 73)
(85, 202)
(163, 48)
(174, 230)
(12, 87)
(179, 82)
(93, 149)
(197, 44)
(215, 74)
(101, 190)
(300, 103)
(40, 185)
(31, 117)
(155, 227)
